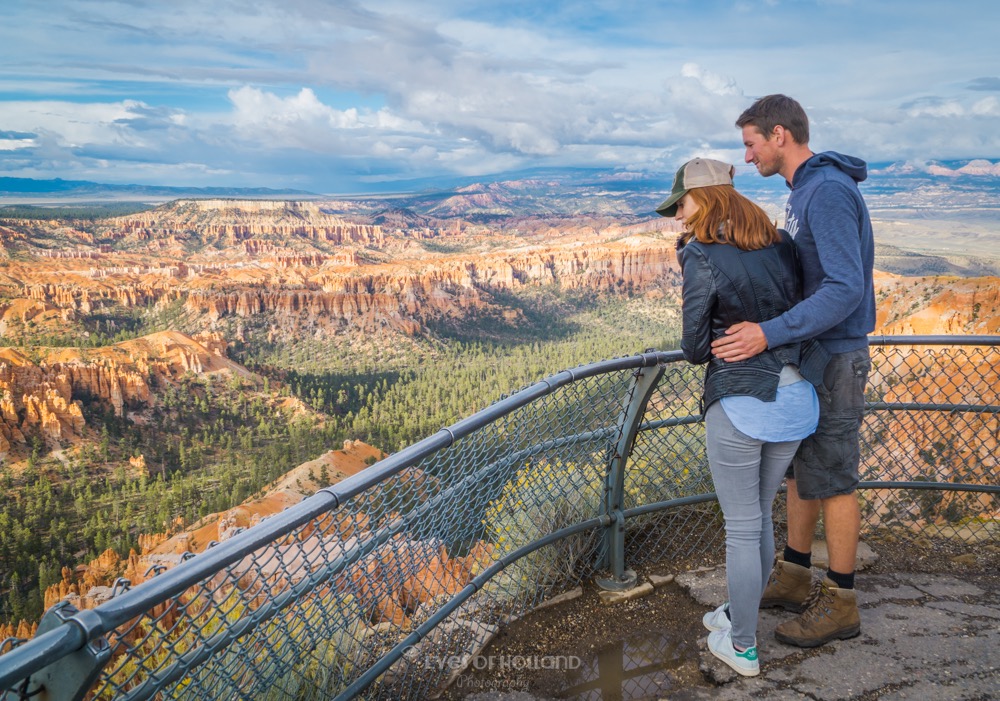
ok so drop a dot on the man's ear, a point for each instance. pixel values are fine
(778, 134)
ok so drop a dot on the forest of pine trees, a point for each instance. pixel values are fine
(212, 444)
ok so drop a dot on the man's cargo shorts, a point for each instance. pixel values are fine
(826, 464)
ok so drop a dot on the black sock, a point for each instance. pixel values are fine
(843, 581)
(797, 558)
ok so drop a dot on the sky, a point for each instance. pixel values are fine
(337, 96)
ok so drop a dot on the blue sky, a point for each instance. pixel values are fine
(334, 96)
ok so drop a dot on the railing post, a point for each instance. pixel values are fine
(69, 677)
(612, 554)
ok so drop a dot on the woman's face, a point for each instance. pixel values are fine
(686, 207)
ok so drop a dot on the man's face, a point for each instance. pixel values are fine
(762, 152)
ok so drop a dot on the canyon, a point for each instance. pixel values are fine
(117, 310)
(251, 271)
(299, 267)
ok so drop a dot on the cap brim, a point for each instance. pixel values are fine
(669, 206)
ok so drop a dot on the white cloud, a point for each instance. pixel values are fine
(936, 108)
(712, 82)
(78, 124)
(255, 109)
(987, 107)
(10, 141)
(298, 89)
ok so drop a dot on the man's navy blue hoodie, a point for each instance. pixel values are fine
(828, 219)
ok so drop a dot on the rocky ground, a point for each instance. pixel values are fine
(660, 636)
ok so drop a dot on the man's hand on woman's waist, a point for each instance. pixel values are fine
(742, 341)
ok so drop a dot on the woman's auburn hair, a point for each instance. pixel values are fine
(726, 216)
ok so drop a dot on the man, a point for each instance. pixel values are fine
(828, 219)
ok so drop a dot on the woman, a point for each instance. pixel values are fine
(738, 267)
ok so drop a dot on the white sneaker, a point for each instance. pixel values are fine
(717, 619)
(720, 644)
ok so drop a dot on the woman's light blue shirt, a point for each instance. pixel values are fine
(792, 416)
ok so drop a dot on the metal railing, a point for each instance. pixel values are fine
(384, 584)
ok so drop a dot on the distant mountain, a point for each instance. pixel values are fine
(402, 218)
(893, 259)
(80, 189)
(951, 185)
(975, 168)
(954, 186)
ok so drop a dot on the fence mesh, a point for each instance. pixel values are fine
(932, 419)
(389, 594)
(668, 462)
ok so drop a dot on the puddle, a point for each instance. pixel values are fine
(638, 667)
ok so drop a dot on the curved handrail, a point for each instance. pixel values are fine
(84, 627)
(92, 624)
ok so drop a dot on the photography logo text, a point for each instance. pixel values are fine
(504, 663)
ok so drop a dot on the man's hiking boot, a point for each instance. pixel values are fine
(787, 587)
(830, 613)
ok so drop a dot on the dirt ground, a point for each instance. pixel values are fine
(659, 634)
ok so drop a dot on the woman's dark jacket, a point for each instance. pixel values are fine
(724, 285)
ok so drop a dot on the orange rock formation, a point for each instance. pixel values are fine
(317, 270)
(43, 398)
(938, 305)
(390, 584)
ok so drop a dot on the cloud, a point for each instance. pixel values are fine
(256, 110)
(75, 124)
(11, 144)
(987, 107)
(711, 82)
(933, 107)
(320, 94)
(990, 84)
(141, 117)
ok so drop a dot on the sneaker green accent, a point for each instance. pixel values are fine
(720, 644)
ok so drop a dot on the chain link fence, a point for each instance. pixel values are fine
(388, 584)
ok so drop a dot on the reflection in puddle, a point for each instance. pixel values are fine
(640, 667)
